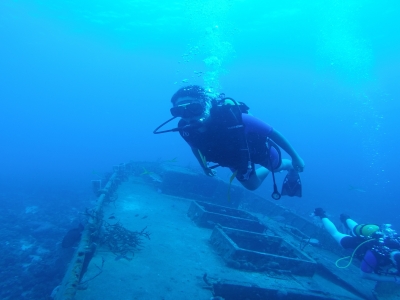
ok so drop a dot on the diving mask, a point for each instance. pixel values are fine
(188, 110)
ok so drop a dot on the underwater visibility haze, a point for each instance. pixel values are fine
(84, 83)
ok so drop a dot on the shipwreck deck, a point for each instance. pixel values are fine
(178, 259)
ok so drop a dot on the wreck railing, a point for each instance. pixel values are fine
(86, 248)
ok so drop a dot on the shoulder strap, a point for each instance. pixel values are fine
(227, 116)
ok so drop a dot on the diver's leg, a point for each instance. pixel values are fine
(351, 224)
(252, 183)
(262, 173)
(286, 165)
(332, 230)
(255, 179)
(348, 223)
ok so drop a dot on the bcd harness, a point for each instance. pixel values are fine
(224, 141)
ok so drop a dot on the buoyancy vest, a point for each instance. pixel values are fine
(223, 141)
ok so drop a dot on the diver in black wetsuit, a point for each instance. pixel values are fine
(220, 130)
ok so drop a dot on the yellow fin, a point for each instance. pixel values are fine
(230, 184)
(203, 159)
(146, 172)
(232, 176)
(171, 160)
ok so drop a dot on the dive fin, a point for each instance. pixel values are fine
(291, 184)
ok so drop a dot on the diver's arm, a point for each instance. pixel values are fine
(282, 142)
(203, 164)
(376, 277)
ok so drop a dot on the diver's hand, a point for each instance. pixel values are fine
(209, 172)
(298, 163)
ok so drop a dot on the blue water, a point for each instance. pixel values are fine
(84, 83)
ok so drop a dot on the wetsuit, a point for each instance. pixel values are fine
(256, 133)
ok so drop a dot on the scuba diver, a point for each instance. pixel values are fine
(219, 129)
(378, 247)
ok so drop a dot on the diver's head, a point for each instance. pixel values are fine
(191, 103)
(366, 230)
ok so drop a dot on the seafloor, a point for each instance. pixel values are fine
(175, 259)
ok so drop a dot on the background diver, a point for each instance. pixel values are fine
(378, 247)
(220, 130)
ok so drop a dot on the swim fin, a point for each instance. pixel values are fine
(291, 184)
